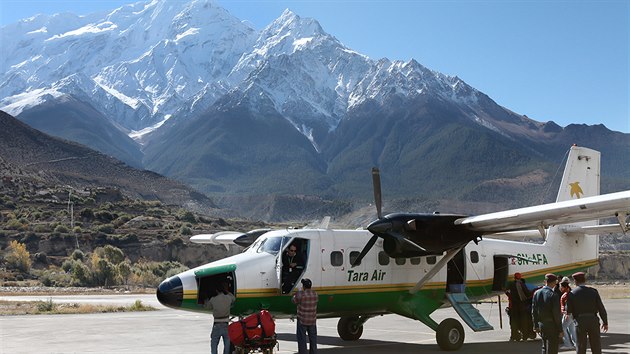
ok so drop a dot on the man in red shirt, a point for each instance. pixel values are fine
(306, 300)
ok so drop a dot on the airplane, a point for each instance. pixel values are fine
(414, 264)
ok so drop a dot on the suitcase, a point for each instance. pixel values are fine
(253, 327)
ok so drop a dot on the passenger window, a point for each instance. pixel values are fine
(415, 260)
(401, 261)
(431, 259)
(336, 259)
(474, 257)
(353, 256)
(383, 258)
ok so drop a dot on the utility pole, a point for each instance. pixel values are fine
(71, 212)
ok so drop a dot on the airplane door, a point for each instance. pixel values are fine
(287, 274)
(456, 272)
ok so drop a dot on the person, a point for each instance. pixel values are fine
(306, 300)
(220, 305)
(584, 304)
(519, 302)
(292, 266)
(546, 315)
(568, 324)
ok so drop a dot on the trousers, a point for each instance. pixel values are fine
(588, 327)
(219, 330)
(301, 332)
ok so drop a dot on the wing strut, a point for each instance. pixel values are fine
(436, 268)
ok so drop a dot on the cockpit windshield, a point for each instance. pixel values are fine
(272, 245)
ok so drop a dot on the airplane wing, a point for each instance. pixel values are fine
(226, 238)
(219, 238)
(541, 216)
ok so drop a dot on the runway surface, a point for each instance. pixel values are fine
(172, 331)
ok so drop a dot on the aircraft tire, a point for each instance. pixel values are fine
(450, 334)
(348, 330)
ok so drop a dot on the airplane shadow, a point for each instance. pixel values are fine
(610, 344)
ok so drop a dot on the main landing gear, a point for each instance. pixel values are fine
(450, 334)
(351, 328)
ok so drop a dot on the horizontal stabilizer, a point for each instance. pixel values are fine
(594, 230)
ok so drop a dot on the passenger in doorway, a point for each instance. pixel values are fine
(546, 315)
(519, 310)
(568, 324)
(292, 267)
(306, 300)
(220, 305)
(584, 304)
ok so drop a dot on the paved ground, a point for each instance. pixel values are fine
(171, 331)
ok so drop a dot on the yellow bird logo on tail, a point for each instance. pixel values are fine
(576, 190)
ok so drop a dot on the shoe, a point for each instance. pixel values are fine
(567, 347)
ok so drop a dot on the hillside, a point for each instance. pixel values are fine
(66, 163)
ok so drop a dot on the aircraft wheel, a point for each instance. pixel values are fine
(450, 334)
(348, 329)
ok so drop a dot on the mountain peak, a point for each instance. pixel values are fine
(290, 23)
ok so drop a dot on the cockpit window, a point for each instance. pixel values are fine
(270, 245)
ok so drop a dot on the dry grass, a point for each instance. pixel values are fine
(8, 308)
(613, 291)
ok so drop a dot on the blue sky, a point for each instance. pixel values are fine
(565, 61)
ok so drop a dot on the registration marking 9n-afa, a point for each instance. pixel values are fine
(413, 264)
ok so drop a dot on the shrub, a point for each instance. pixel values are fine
(78, 255)
(46, 306)
(187, 216)
(81, 275)
(121, 220)
(18, 257)
(15, 224)
(77, 230)
(87, 214)
(124, 271)
(104, 216)
(61, 229)
(51, 277)
(41, 228)
(41, 257)
(156, 212)
(186, 231)
(106, 228)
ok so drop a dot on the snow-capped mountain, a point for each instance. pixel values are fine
(287, 109)
(141, 63)
(150, 57)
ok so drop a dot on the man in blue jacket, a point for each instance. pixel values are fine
(585, 303)
(546, 315)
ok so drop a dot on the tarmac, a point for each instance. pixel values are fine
(173, 331)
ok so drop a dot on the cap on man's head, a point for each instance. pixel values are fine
(518, 275)
(565, 280)
(579, 277)
(307, 283)
(550, 277)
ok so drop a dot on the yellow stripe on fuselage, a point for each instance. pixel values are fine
(376, 288)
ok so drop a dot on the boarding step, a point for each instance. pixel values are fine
(468, 313)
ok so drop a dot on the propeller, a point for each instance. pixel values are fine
(376, 184)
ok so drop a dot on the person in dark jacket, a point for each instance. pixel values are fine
(546, 315)
(519, 309)
(585, 303)
(292, 267)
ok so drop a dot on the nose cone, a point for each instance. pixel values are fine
(380, 226)
(171, 292)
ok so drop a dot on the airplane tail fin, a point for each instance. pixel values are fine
(581, 174)
(581, 179)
